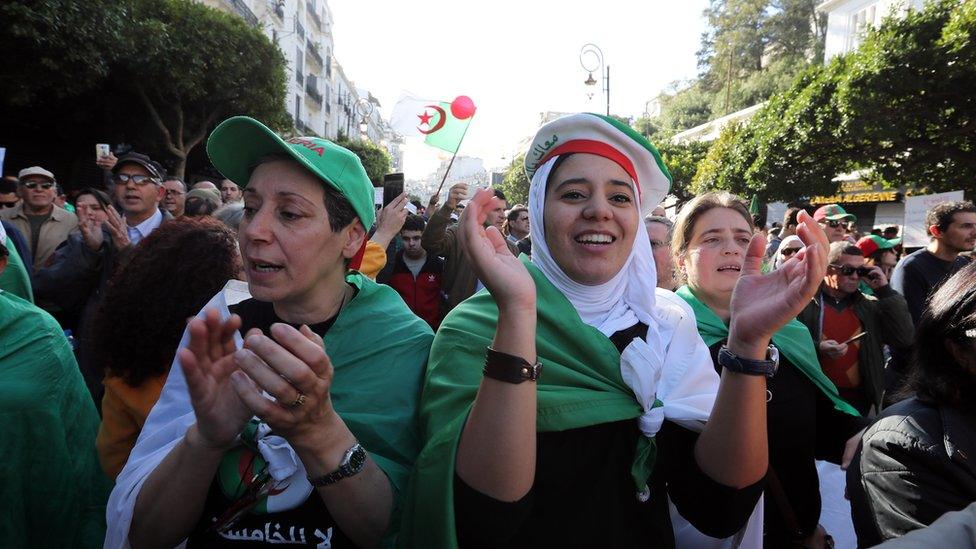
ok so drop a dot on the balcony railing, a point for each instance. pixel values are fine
(312, 12)
(240, 8)
(312, 51)
(313, 93)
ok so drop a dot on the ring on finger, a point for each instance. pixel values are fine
(299, 400)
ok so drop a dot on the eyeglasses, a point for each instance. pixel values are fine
(8, 204)
(832, 223)
(847, 270)
(174, 192)
(790, 251)
(137, 179)
(34, 184)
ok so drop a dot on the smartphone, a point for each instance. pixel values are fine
(102, 149)
(855, 338)
(392, 187)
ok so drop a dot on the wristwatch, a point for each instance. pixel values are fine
(733, 363)
(353, 461)
(510, 368)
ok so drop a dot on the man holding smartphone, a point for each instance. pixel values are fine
(851, 327)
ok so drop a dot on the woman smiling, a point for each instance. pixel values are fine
(568, 404)
(269, 438)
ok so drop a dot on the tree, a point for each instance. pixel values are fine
(682, 161)
(194, 65)
(515, 185)
(375, 159)
(899, 109)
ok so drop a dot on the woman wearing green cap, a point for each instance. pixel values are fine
(272, 437)
(568, 404)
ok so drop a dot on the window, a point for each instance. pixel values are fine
(298, 109)
(860, 22)
(299, 74)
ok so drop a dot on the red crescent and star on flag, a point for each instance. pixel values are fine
(462, 108)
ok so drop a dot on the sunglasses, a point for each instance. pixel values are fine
(8, 204)
(35, 184)
(137, 179)
(833, 223)
(790, 251)
(847, 270)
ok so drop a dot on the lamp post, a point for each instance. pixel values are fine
(591, 58)
(364, 109)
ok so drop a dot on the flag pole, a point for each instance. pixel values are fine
(451, 163)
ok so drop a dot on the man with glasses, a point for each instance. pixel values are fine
(138, 191)
(8, 192)
(851, 327)
(174, 201)
(833, 219)
(43, 224)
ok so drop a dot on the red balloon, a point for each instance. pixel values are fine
(462, 107)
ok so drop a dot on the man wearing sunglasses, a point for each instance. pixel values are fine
(8, 192)
(43, 224)
(833, 219)
(840, 313)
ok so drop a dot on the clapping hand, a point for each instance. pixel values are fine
(762, 304)
(501, 272)
(116, 228)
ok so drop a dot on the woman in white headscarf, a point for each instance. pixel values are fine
(788, 247)
(581, 419)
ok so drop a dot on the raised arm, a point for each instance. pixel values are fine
(496, 454)
(435, 239)
(733, 448)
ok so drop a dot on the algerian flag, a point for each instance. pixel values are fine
(440, 124)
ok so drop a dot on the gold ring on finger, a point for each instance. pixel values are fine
(298, 401)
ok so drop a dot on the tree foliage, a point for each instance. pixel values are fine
(515, 185)
(900, 108)
(375, 159)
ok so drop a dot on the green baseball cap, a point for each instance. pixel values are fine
(872, 243)
(236, 145)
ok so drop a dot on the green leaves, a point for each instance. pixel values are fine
(515, 185)
(374, 158)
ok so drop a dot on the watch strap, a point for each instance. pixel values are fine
(353, 461)
(510, 368)
(734, 363)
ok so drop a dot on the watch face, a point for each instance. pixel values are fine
(356, 461)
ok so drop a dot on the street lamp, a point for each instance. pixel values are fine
(364, 109)
(591, 58)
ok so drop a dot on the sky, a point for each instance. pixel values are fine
(516, 60)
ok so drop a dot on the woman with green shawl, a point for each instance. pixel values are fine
(568, 404)
(806, 419)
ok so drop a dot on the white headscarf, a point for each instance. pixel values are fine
(784, 244)
(619, 303)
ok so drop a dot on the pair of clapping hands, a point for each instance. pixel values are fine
(227, 384)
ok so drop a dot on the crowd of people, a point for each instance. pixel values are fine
(582, 370)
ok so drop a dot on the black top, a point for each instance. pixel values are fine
(583, 493)
(920, 273)
(802, 426)
(307, 524)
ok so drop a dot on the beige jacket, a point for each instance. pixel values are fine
(54, 231)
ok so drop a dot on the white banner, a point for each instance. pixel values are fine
(916, 231)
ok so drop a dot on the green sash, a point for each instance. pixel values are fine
(793, 341)
(581, 385)
(14, 278)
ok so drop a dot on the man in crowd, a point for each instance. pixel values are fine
(415, 274)
(43, 224)
(659, 231)
(833, 219)
(788, 229)
(204, 184)
(174, 199)
(952, 230)
(440, 239)
(82, 268)
(890, 233)
(840, 313)
(518, 224)
(8, 193)
(230, 192)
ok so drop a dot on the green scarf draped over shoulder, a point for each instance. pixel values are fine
(580, 385)
(793, 340)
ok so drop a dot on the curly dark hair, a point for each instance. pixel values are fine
(950, 314)
(941, 214)
(171, 275)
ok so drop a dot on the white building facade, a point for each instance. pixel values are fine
(847, 20)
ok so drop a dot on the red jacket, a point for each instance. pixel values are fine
(422, 294)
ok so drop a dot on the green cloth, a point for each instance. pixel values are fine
(14, 278)
(793, 341)
(378, 349)
(581, 385)
(53, 489)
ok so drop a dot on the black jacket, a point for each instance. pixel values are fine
(915, 463)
